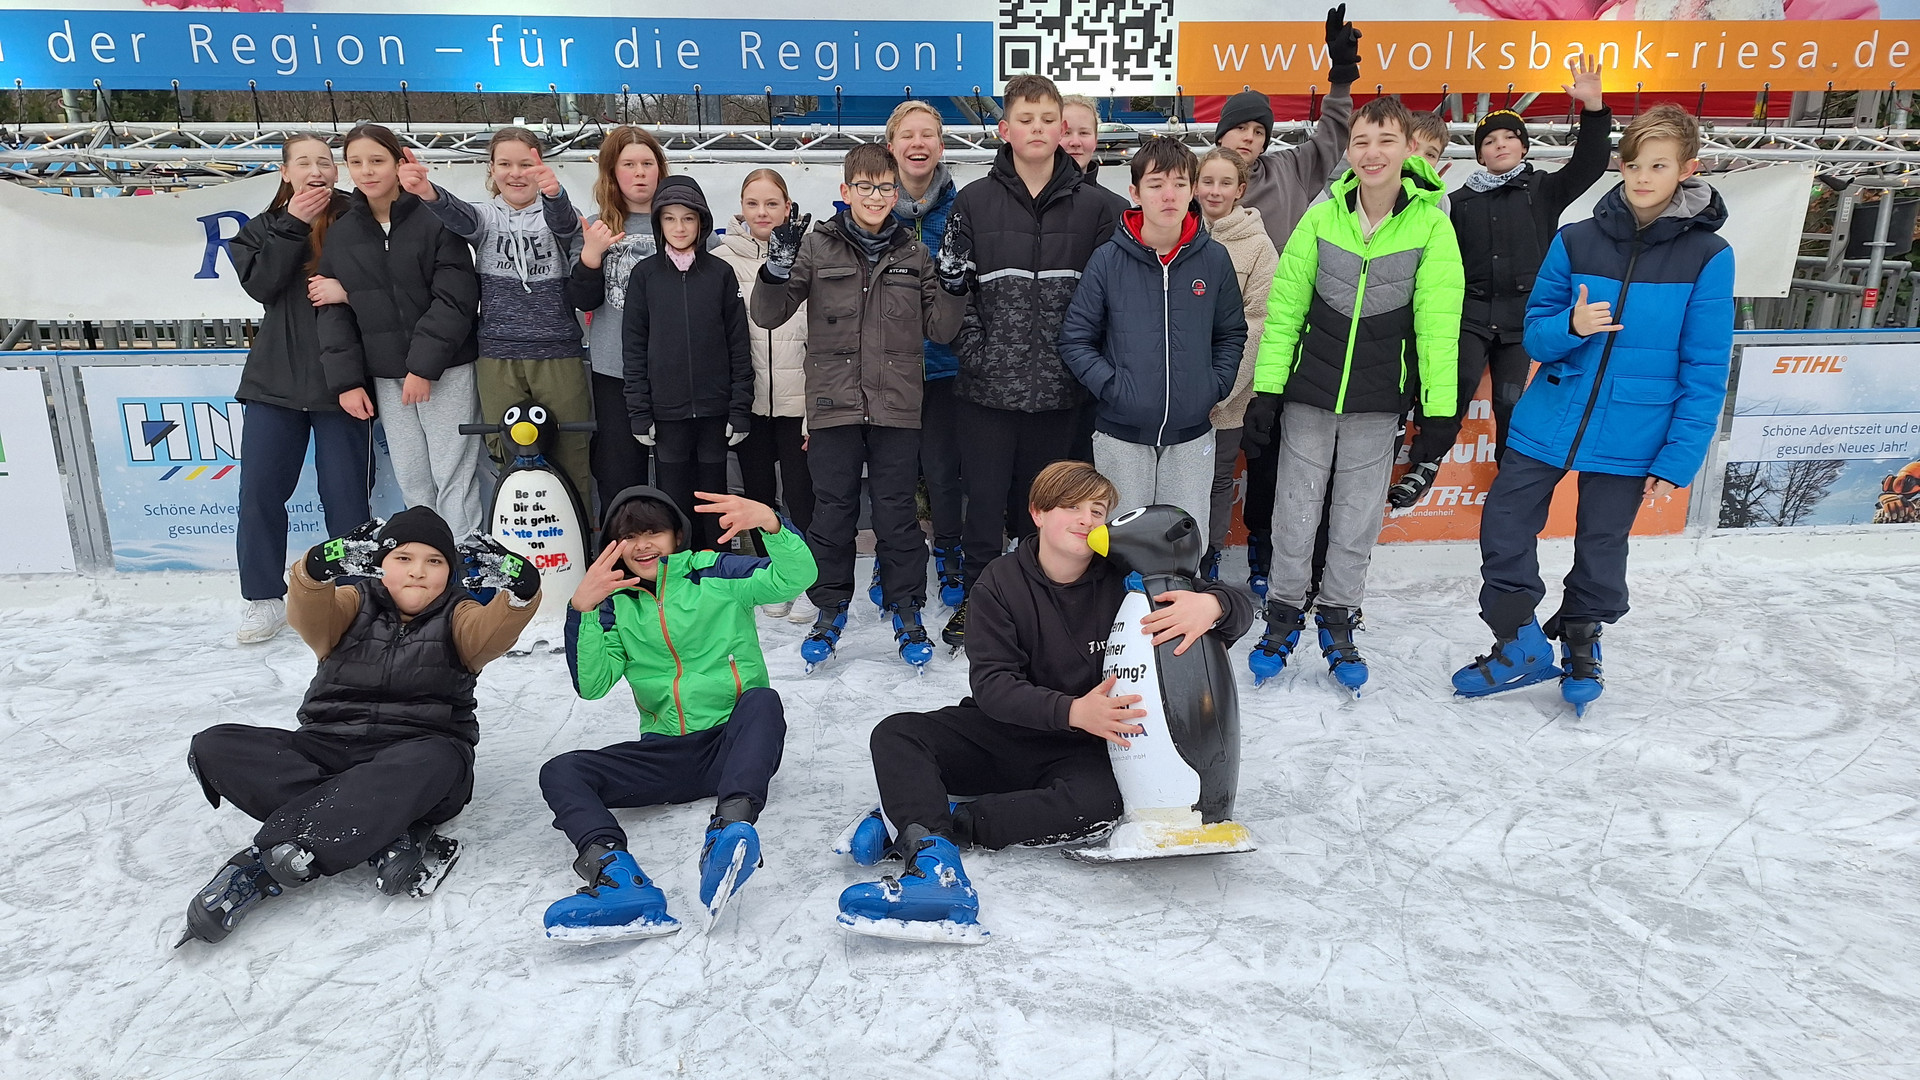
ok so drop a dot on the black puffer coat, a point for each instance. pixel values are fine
(393, 678)
(283, 367)
(1028, 255)
(412, 297)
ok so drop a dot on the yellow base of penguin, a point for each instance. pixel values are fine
(1166, 834)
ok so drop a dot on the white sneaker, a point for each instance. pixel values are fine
(803, 611)
(776, 611)
(262, 620)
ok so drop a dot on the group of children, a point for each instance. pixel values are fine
(1030, 309)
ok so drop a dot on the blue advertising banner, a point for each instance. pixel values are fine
(46, 49)
(166, 442)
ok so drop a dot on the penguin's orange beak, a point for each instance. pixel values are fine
(1097, 540)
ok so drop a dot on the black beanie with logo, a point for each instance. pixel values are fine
(1501, 120)
(420, 525)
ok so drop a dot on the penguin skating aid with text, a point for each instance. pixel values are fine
(1177, 780)
(536, 513)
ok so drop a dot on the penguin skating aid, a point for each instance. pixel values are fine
(1178, 778)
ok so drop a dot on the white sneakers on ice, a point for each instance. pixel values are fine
(803, 612)
(262, 620)
(776, 611)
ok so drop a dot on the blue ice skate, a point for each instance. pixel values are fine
(618, 902)
(874, 592)
(931, 900)
(821, 641)
(1522, 660)
(1580, 681)
(1269, 658)
(1337, 625)
(947, 566)
(1210, 565)
(1259, 559)
(218, 907)
(731, 855)
(866, 839)
(916, 648)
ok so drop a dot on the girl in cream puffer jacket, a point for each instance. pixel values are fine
(1239, 229)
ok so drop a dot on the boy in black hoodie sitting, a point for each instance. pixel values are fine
(1029, 742)
(384, 750)
(688, 361)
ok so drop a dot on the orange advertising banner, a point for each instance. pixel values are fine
(1474, 56)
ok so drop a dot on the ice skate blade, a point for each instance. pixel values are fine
(439, 864)
(723, 892)
(1138, 841)
(935, 932)
(594, 935)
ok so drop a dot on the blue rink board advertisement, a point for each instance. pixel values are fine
(1824, 435)
(166, 443)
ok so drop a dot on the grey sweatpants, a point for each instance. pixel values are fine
(1354, 452)
(1179, 475)
(435, 464)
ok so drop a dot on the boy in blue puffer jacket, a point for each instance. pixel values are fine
(1629, 399)
(1156, 331)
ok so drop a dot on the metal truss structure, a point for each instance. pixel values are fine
(195, 154)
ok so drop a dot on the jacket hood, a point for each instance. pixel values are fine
(1242, 222)
(940, 189)
(643, 491)
(1418, 181)
(1695, 206)
(1193, 237)
(1066, 175)
(739, 240)
(683, 191)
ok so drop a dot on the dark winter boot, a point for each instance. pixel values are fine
(1336, 644)
(955, 632)
(1413, 486)
(216, 909)
(1259, 561)
(1580, 681)
(414, 862)
(1284, 625)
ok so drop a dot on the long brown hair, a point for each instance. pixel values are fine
(606, 188)
(317, 232)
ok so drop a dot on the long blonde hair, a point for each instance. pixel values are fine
(606, 187)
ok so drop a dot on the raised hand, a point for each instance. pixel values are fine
(598, 238)
(413, 177)
(544, 177)
(490, 565)
(1343, 47)
(737, 514)
(1586, 83)
(1591, 319)
(309, 202)
(605, 577)
(356, 554)
(1101, 712)
(783, 244)
(953, 264)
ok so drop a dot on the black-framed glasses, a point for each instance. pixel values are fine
(867, 189)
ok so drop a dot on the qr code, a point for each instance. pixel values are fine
(1091, 43)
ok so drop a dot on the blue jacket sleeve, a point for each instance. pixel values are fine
(1706, 344)
(1083, 333)
(1550, 335)
(1229, 327)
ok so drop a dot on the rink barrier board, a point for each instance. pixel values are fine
(92, 541)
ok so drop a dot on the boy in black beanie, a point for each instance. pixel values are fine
(384, 750)
(1505, 217)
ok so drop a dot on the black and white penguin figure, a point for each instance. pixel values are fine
(1178, 780)
(537, 514)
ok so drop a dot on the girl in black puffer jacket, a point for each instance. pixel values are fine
(285, 390)
(399, 298)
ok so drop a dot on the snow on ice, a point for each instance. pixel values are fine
(1712, 875)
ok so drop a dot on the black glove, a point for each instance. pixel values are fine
(356, 554)
(783, 244)
(954, 266)
(1262, 413)
(1440, 431)
(1343, 47)
(489, 565)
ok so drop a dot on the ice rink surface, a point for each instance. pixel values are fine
(1712, 875)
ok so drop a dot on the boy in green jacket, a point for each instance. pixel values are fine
(1369, 276)
(678, 625)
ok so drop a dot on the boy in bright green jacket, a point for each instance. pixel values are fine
(678, 626)
(1369, 280)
